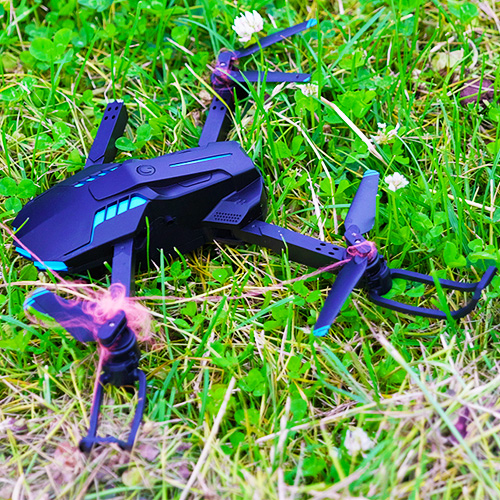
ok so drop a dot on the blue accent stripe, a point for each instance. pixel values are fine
(28, 303)
(52, 265)
(111, 211)
(24, 253)
(137, 201)
(307, 79)
(370, 172)
(322, 331)
(38, 292)
(311, 23)
(90, 179)
(31, 299)
(122, 207)
(200, 160)
(99, 218)
(116, 209)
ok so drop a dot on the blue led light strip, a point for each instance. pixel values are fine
(101, 216)
(116, 209)
(90, 179)
(200, 160)
(51, 265)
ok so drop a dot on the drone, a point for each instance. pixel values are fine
(126, 212)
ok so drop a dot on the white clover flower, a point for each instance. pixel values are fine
(248, 24)
(357, 440)
(385, 136)
(309, 89)
(396, 181)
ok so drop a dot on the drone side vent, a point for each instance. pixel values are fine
(238, 208)
(227, 217)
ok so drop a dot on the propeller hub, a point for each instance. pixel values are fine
(110, 331)
(359, 246)
(378, 276)
(122, 352)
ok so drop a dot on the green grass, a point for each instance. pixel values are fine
(242, 402)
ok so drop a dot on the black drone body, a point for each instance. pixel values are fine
(128, 211)
(176, 201)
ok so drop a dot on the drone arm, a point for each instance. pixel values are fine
(218, 120)
(112, 126)
(303, 249)
(476, 288)
(123, 265)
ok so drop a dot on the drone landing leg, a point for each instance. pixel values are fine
(89, 440)
(139, 410)
(474, 288)
(87, 443)
(112, 126)
(120, 368)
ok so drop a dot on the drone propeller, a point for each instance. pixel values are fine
(363, 206)
(269, 77)
(274, 38)
(68, 313)
(346, 281)
(360, 219)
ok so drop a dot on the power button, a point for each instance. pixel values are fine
(146, 170)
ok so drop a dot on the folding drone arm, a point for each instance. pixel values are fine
(121, 366)
(112, 126)
(226, 75)
(119, 350)
(218, 121)
(269, 77)
(373, 274)
(124, 265)
(302, 249)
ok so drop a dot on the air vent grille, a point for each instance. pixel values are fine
(226, 217)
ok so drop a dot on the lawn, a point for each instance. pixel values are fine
(243, 401)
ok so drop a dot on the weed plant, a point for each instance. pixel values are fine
(243, 402)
